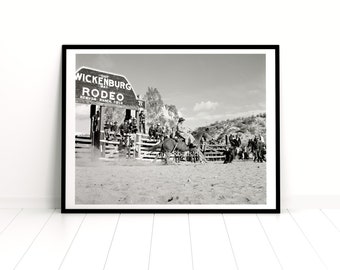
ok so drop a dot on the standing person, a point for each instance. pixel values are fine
(151, 132)
(232, 140)
(182, 132)
(142, 122)
(96, 129)
(124, 131)
(204, 142)
(228, 156)
(95, 122)
(133, 125)
(238, 140)
(124, 128)
(159, 132)
(114, 129)
(106, 130)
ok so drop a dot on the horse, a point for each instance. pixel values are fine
(169, 145)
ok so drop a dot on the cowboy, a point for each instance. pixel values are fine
(113, 130)
(228, 157)
(152, 131)
(142, 122)
(232, 140)
(204, 142)
(159, 132)
(181, 132)
(133, 125)
(238, 140)
(124, 128)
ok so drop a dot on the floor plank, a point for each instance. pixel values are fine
(323, 236)
(131, 245)
(210, 242)
(250, 244)
(51, 245)
(18, 237)
(290, 245)
(171, 248)
(7, 216)
(334, 216)
(91, 245)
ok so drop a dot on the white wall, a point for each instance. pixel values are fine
(31, 36)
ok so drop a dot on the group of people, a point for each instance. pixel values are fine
(111, 129)
(236, 148)
(157, 132)
(129, 126)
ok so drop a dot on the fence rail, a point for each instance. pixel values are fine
(139, 149)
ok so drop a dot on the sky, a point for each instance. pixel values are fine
(205, 88)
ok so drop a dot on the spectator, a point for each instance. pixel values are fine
(204, 142)
(113, 130)
(238, 141)
(133, 125)
(95, 122)
(228, 157)
(124, 128)
(232, 140)
(142, 122)
(106, 130)
(159, 132)
(152, 131)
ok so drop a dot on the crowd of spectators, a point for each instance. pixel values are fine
(111, 129)
(158, 132)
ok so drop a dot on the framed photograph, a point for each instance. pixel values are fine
(170, 129)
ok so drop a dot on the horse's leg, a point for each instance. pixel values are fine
(154, 160)
(167, 156)
(258, 156)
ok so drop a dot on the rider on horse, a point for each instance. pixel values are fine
(181, 132)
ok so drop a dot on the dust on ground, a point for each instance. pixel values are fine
(142, 182)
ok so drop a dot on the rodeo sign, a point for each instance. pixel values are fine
(103, 88)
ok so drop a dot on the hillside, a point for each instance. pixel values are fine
(246, 127)
(167, 115)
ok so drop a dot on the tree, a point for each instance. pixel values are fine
(153, 104)
(157, 111)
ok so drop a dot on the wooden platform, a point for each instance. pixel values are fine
(46, 239)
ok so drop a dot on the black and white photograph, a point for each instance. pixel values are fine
(171, 128)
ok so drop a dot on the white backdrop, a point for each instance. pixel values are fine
(31, 36)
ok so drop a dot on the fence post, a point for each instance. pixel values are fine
(139, 144)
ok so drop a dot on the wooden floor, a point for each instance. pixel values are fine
(45, 239)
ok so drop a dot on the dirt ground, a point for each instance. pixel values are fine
(143, 182)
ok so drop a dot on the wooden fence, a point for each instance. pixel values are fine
(139, 149)
(214, 152)
(83, 147)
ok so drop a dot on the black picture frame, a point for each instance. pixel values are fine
(65, 159)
